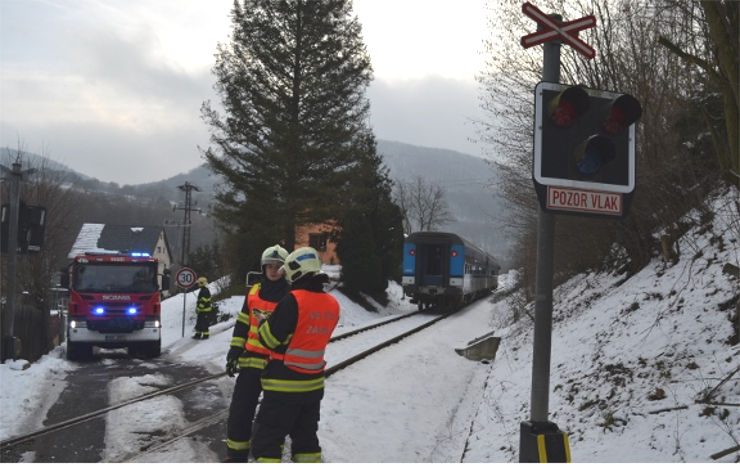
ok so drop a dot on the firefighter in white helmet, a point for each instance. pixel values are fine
(247, 356)
(297, 333)
(202, 310)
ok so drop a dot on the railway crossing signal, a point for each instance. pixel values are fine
(553, 29)
(584, 149)
(30, 227)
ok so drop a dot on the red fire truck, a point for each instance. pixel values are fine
(114, 302)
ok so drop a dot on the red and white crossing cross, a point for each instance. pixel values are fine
(552, 29)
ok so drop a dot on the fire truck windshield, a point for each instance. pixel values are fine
(115, 278)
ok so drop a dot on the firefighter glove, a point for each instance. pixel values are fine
(232, 360)
(232, 367)
(234, 353)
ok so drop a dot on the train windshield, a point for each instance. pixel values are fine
(116, 278)
(434, 260)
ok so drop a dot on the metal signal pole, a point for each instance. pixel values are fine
(10, 344)
(544, 274)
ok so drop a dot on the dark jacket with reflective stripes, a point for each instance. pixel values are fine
(262, 297)
(204, 300)
(299, 373)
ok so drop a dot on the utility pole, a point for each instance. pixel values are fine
(187, 187)
(10, 344)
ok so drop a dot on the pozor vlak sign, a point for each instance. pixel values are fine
(584, 149)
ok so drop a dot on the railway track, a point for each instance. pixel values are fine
(354, 349)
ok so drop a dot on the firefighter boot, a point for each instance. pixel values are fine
(196, 336)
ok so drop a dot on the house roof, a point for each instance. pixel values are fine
(109, 238)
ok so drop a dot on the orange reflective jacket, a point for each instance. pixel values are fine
(318, 314)
(255, 304)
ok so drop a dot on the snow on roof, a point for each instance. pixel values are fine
(111, 238)
(87, 240)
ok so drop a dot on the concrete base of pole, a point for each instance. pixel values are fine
(543, 442)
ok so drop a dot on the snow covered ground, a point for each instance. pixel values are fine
(642, 370)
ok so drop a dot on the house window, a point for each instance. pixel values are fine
(318, 241)
(159, 249)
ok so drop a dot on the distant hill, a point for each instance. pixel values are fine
(470, 183)
(471, 189)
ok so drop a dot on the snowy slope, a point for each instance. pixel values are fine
(632, 359)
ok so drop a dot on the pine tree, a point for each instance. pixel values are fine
(292, 85)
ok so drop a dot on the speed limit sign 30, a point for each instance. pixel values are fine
(185, 277)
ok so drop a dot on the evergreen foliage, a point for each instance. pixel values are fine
(294, 133)
(204, 260)
(370, 243)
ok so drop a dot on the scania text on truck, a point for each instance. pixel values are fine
(114, 302)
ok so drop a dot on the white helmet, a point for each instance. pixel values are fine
(274, 255)
(302, 262)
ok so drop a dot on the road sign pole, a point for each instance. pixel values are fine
(183, 313)
(185, 278)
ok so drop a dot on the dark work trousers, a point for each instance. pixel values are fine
(201, 323)
(281, 414)
(241, 413)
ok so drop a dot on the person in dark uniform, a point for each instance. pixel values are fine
(297, 333)
(247, 355)
(202, 310)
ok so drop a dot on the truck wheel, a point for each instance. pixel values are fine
(78, 351)
(145, 350)
(153, 349)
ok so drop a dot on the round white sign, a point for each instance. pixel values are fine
(185, 277)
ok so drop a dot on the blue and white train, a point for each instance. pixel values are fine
(442, 269)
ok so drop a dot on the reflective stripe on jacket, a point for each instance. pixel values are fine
(257, 305)
(318, 314)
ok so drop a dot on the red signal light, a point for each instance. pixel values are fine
(454, 253)
(568, 106)
(624, 111)
(412, 252)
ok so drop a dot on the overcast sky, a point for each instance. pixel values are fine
(113, 88)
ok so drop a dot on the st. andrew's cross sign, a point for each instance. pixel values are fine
(553, 29)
